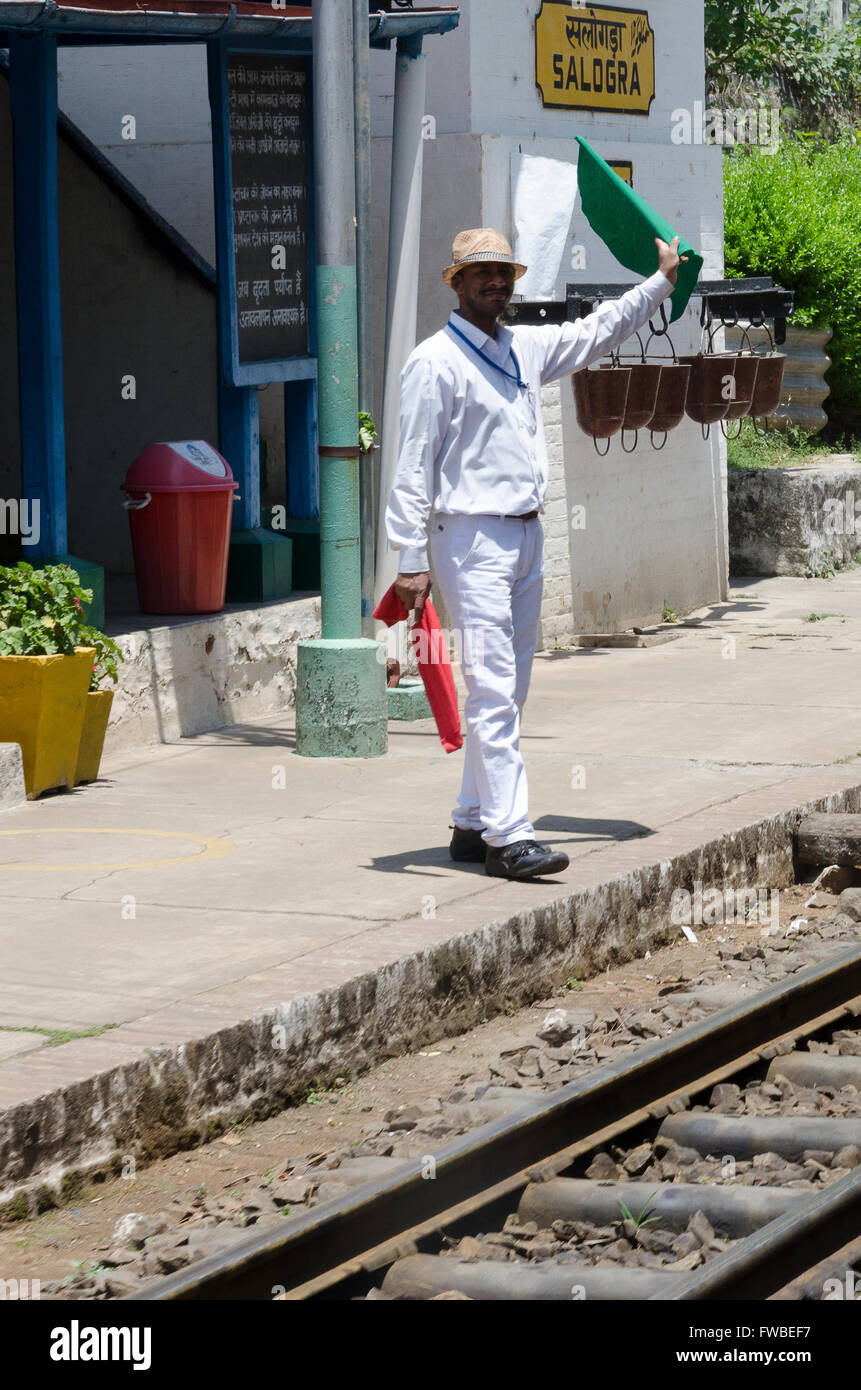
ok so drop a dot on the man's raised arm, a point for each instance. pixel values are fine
(573, 346)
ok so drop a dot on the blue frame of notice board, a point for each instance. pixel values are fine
(232, 370)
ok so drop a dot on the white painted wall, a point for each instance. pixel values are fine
(170, 159)
(655, 522)
(449, 86)
(505, 100)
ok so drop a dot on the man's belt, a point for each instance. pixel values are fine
(527, 516)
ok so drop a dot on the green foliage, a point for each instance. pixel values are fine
(796, 215)
(821, 76)
(789, 448)
(641, 1219)
(41, 610)
(826, 569)
(42, 614)
(743, 37)
(367, 432)
(792, 48)
(58, 1036)
(108, 655)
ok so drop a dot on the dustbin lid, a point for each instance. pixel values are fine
(187, 465)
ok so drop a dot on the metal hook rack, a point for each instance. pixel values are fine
(753, 301)
(750, 301)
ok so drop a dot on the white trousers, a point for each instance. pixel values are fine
(490, 571)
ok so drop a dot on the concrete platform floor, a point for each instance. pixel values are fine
(198, 883)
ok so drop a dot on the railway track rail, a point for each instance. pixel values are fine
(524, 1168)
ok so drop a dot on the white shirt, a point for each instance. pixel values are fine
(472, 440)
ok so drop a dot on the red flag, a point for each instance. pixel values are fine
(433, 662)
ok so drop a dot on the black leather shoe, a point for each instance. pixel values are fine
(524, 859)
(467, 846)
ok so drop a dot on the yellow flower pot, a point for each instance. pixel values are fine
(42, 704)
(98, 712)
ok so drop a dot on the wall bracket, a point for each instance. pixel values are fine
(723, 302)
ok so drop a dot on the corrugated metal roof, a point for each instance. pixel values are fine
(267, 8)
(192, 7)
(188, 7)
(186, 18)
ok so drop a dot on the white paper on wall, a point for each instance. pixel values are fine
(543, 193)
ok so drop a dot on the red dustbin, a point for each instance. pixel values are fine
(180, 500)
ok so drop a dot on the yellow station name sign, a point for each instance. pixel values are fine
(595, 57)
(624, 168)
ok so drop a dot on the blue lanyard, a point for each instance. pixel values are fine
(489, 360)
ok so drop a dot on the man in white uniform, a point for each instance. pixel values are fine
(472, 452)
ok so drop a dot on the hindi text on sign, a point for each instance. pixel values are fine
(268, 150)
(600, 59)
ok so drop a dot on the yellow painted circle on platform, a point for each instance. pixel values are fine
(209, 848)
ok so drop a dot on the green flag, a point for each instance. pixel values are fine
(628, 226)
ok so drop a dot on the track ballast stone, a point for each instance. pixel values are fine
(568, 1044)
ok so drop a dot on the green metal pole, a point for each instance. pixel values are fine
(341, 707)
(337, 318)
(338, 396)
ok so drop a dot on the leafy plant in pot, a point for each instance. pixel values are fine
(48, 658)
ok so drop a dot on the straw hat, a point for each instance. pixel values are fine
(480, 244)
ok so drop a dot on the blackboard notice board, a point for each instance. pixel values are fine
(269, 165)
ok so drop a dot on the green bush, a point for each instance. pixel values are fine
(789, 448)
(796, 215)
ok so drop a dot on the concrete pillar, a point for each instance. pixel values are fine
(340, 682)
(403, 281)
(364, 271)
